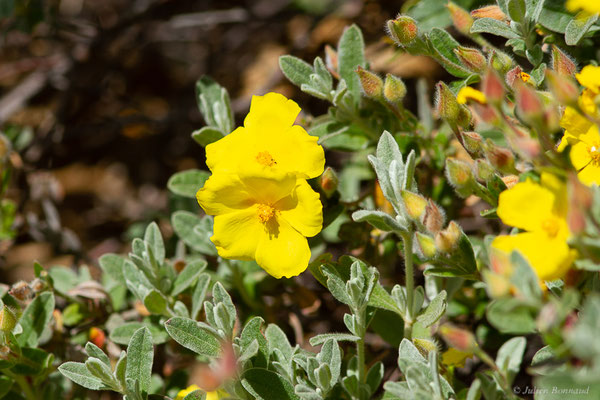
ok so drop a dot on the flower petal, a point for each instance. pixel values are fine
(303, 209)
(590, 175)
(550, 258)
(237, 234)
(526, 205)
(223, 193)
(589, 76)
(272, 110)
(574, 123)
(299, 152)
(283, 251)
(580, 155)
(227, 153)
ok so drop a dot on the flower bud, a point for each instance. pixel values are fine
(59, 321)
(447, 107)
(464, 116)
(473, 142)
(492, 87)
(547, 318)
(472, 59)
(529, 105)
(447, 239)
(496, 285)
(514, 75)
(485, 171)
(426, 245)
(329, 181)
(403, 30)
(457, 338)
(563, 87)
(371, 84)
(510, 180)
(459, 173)
(500, 61)
(394, 89)
(489, 12)
(501, 158)
(414, 204)
(8, 320)
(331, 61)
(434, 217)
(562, 64)
(425, 346)
(21, 291)
(461, 18)
(97, 336)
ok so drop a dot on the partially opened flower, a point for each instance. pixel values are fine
(268, 143)
(467, 93)
(540, 210)
(266, 219)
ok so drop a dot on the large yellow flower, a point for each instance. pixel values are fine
(268, 143)
(266, 219)
(541, 211)
(590, 6)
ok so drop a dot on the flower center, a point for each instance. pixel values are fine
(265, 158)
(551, 226)
(265, 213)
(594, 151)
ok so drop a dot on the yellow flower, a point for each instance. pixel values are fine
(525, 77)
(540, 210)
(468, 93)
(455, 358)
(214, 395)
(266, 219)
(585, 156)
(590, 6)
(589, 77)
(268, 143)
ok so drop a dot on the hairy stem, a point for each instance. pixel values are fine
(407, 238)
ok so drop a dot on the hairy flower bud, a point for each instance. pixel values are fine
(371, 84)
(447, 106)
(8, 320)
(457, 338)
(484, 169)
(461, 18)
(492, 87)
(331, 61)
(414, 204)
(473, 142)
(394, 89)
(529, 105)
(329, 181)
(493, 12)
(447, 239)
(21, 291)
(562, 64)
(426, 245)
(501, 158)
(403, 30)
(510, 180)
(500, 61)
(472, 59)
(434, 217)
(459, 173)
(563, 87)
(97, 336)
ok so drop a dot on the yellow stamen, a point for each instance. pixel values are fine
(525, 76)
(265, 158)
(595, 153)
(265, 213)
(551, 227)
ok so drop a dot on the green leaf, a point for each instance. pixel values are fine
(94, 351)
(516, 10)
(35, 319)
(140, 355)
(190, 335)
(340, 337)
(214, 104)
(188, 276)
(196, 395)
(153, 237)
(122, 334)
(443, 44)
(187, 183)
(277, 339)
(578, 27)
(252, 331)
(267, 385)
(112, 265)
(331, 355)
(494, 27)
(220, 296)
(510, 355)
(296, 70)
(434, 310)
(534, 9)
(510, 316)
(351, 54)
(379, 220)
(5, 385)
(155, 302)
(100, 371)
(199, 294)
(78, 373)
(207, 135)
(194, 231)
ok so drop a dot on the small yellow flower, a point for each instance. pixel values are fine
(525, 77)
(585, 156)
(589, 77)
(590, 6)
(268, 143)
(266, 219)
(214, 395)
(455, 358)
(468, 93)
(540, 210)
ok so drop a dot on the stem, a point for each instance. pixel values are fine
(360, 345)
(25, 387)
(407, 238)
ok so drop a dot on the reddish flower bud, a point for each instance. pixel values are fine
(529, 105)
(97, 337)
(510, 180)
(489, 12)
(461, 18)
(331, 61)
(403, 30)
(371, 84)
(563, 87)
(514, 75)
(472, 59)
(492, 87)
(457, 338)
(329, 181)
(446, 105)
(580, 200)
(562, 64)
(501, 158)
(434, 217)
(21, 291)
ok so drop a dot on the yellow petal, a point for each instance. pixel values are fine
(282, 251)
(590, 6)
(273, 110)
(549, 258)
(574, 123)
(589, 76)
(302, 209)
(467, 93)
(559, 189)
(590, 175)
(225, 154)
(237, 234)
(182, 393)
(297, 151)
(214, 395)
(580, 155)
(526, 205)
(223, 193)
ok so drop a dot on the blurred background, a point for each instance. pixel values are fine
(98, 100)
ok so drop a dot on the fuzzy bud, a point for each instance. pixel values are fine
(426, 245)
(97, 337)
(331, 61)
(447, 239)
(425, 346)
(457, 338)
(414, 204)
(563, 87)
(497, 285)
(485, 171)
(514, 75)
(500, 61)
(510, 180)
(329, 181)
(21, 291)
(461, 18)
(403, 30)
(459, 173)
(562, 64)
(394, 89)
(493, 12)
(501, 158)
(472, 59)
(371, 84)
(447, 107)
(472, 142)
(434, 217)
(529, 105)
(492, 87)
(8, 320)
